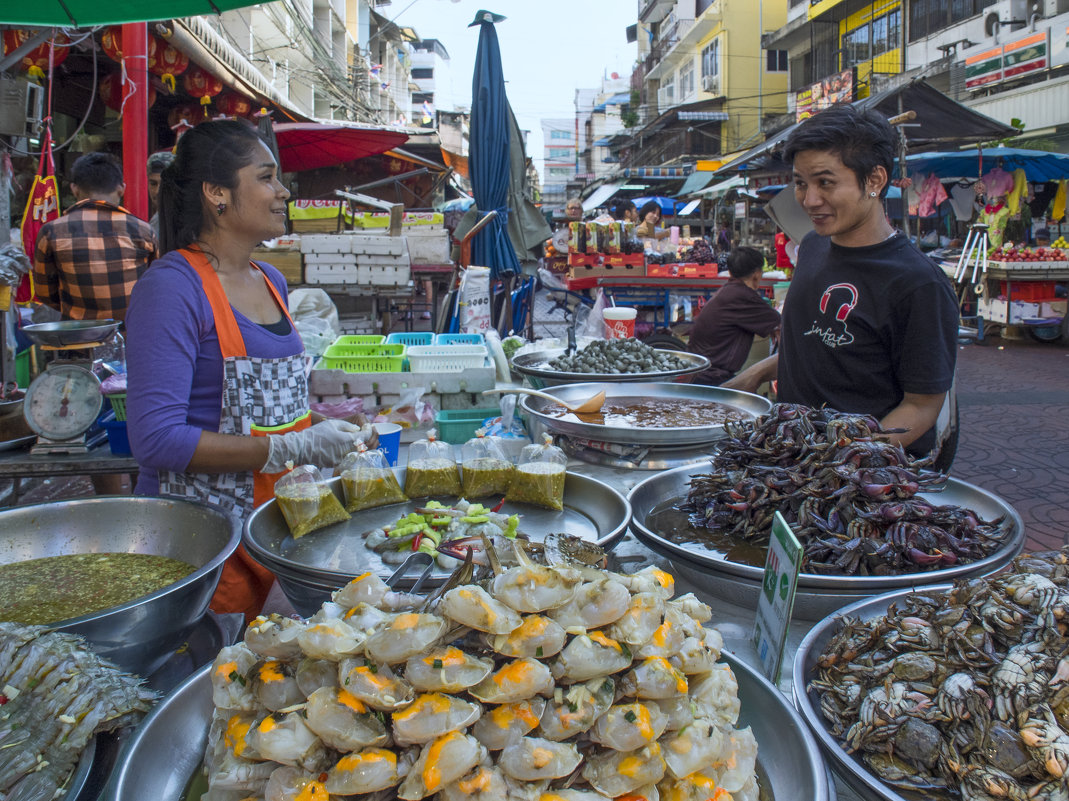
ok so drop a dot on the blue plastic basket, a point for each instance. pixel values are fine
(410, 338)
(459, 339)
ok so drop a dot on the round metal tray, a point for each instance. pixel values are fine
(817, 595)
(535, 368)
(663, 436)
(67, 333)
(852, 770)
(309, 568)
(161, 756)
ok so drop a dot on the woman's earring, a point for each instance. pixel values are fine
(219, 209)
(871, 194)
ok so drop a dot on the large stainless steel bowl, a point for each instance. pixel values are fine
(535, 368)
(817, 595)
(159, 759)
(67, 333)
(852, 770)
(138, 636)
(310, 568)
(662, 436)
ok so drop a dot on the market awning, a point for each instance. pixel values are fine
(661, 173)
(615, 100)
(1038, 165)
(722, 188)
(309, 145)
(85, 13)
(601, 194)
(696, 181)
(683, 212)
(605, 141)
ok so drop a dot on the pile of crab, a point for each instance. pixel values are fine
(849, 495)
(960, 692)
(526, 682)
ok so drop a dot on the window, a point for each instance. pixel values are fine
(422, 73)
(857, 46)
(931, 16)
(775, 60)
(686, 81)
(887, 33)
(666, 96)
(561, 152)
(567, 135)
(560, 172)
(711, 58)
(872, 39)
(423, 97)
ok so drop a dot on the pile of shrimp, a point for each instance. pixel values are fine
(540, 683)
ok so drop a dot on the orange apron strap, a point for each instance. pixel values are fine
(243, 586)
(231, 343)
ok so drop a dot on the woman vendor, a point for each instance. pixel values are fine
(217, 394)
(650, 214)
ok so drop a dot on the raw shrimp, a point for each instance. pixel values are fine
(368, 588)
(593, 605)
(666, 640)
(363, 771)
(230, 689)
(537, 636)
(274, 636)
(440, 763)
(573, 712)
(534, 758)
(516, 680)
(626, 727)
(485, 783)
(654, 677)
(616, 773)
(530, 587)
(285, 738)
(403, 636)
(343, 721)
(331, 639)
(446, 669)
(375, 685)
(473, 606)
(274, 683)
(315, 673)
(504, 724)
(718, 695)
(430, 716)
(291, 784)
(590, 655)
(644, 614)
(694, 748)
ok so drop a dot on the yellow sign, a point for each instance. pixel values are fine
(818, 8)
(705, 165)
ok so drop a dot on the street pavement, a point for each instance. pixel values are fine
(1014, 413)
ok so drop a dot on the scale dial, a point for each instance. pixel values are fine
(63, 402)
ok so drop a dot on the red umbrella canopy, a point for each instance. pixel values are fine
(308, 145)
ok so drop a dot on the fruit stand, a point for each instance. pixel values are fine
(1020, 288)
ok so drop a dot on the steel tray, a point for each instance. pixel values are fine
(852, 770)
(67, 333)
(159, 759)
(665, 436)
(817, 595)
(535, 368)
(310, 567)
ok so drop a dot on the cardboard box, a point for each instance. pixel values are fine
(287, 262)
(1053, 308)
(606, 270)
(1023, 310)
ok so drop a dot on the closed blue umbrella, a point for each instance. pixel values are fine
(489, 151)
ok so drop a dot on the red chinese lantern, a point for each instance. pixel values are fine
(189, 113)
(111, 42)
(166, 61)
(198, 82)
(36, 61)
(112, 92)
(232, 104)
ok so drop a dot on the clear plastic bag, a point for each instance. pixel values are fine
(539, 476)
(432, 469)
(368, 480)
(306, 501)
(484, 467)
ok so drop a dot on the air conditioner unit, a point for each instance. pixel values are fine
(21, 106)
(1006, 15)
(711, 83)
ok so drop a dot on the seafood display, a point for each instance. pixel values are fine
(56, 695)
(535, 679)
(640, 412)
(960, 693)
(850, 496)
(618, 357)
(435, 524)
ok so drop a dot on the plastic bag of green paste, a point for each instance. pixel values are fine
(485, 468)
(306, 501)
(432, 469)
(368, 480)
(539, 477)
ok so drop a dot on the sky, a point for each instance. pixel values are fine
(549, 48)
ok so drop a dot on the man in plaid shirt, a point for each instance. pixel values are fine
(87, 261)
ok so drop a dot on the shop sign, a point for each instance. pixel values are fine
(983, 68)
(776, 602)
(838, 88)
(1060, 48)
(740, 208)
(1008, 61)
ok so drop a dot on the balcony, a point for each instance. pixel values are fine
(655, 10)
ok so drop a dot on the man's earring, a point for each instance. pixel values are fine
(219, 209)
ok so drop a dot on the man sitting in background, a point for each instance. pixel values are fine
(157, 163)
(726, 326)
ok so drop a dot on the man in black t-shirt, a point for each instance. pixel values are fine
(870, 323)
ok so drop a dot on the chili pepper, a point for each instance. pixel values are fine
(498, 507)
(416, 541)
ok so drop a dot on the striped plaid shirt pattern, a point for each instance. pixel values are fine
(87, 261)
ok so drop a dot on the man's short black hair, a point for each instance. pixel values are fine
(864, 140)
(744, 262)
(97, 172)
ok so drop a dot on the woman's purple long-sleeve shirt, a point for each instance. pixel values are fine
(175, 367)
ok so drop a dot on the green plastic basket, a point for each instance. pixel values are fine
(347, 350)
(360, 339)
(118, 405)
(362, 364)
(457, 426)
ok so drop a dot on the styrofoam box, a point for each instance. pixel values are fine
(330, 258)
(377, 245)
(389, 276)
(1022, 310)
(326, 243)
(428, 246)
(993, 309)
(331, 274)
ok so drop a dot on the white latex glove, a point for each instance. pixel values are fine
(323, 445)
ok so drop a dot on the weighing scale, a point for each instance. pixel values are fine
(63, 403)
